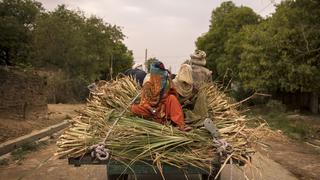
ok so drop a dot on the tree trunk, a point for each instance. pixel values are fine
(314, 103)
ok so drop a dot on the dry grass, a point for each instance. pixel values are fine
(134, 139)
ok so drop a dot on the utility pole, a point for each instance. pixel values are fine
(146, 59)
(111, 67)
(146, 55)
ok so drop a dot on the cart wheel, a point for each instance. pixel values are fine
(208, 177)
(118, 177)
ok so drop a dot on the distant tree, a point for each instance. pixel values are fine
(283, 52)
(58, 39)
(82, 47)
(221, 41)
(260, 68)
(17, 21)
(79, 48)
(105, 46)
(149, 62)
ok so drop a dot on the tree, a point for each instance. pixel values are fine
(149, 62)
(105, 47)
(259, 67)
(82, 47)
(17, 18)
(282, 53)
(220, 42)
(59, 41)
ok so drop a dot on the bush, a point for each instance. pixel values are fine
(62, 89)
(239, 93)
(21, 152)
(276, 106)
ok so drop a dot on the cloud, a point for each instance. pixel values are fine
(132, 9)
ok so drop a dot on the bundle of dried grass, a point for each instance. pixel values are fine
(134, 139)
(115, 94)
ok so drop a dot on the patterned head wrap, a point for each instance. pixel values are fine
(158, 85)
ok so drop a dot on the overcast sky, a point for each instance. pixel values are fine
(167, 28)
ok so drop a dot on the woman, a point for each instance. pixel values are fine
(159, 98)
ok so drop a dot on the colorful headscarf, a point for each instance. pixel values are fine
(158, 85)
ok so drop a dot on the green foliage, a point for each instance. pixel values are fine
(17, 21)
(4, 162)
(221, 41)
(282, 52)
(294, 130)
(61, 39)
(20, 153)
(58, 40)
(149, 62)
(80, 46)
(63, 89)
(279, 120)
(279, 53)
(259, 67)
(276, 106)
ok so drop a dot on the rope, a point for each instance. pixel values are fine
(100, 151)
(223, 147)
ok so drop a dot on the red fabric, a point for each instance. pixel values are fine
(168, 108)
(174, 111)
(143, 110)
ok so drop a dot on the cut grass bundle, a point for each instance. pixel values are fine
(115, 94)
(134, 139)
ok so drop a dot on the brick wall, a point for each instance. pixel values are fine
(22, 93)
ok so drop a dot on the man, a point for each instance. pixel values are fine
(159, 99)
(200, 73)
(93, 88)
(136, 72)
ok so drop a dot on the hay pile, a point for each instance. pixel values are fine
(134, 139)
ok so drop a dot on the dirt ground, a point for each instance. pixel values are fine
(299, 158)
(12, 127)
(283, 159)
(42, 165)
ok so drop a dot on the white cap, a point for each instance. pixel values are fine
(137, 66)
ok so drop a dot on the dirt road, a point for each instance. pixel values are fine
(42, 165)
(299, 158)
(285, 160)
(12, 127)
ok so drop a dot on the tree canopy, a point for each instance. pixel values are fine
(220, 41)
(282, 53)
(278, 53)
(148, 63)
(82, 47)
(17, 20)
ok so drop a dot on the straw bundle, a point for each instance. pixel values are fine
(134, 139)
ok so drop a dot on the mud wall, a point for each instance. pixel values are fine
(22, 93)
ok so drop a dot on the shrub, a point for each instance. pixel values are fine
(276, 106)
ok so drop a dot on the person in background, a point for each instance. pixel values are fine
(93, 88)
(136, 72)
(159, 99)
(200, 73)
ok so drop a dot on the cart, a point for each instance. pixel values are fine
(116, 170)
